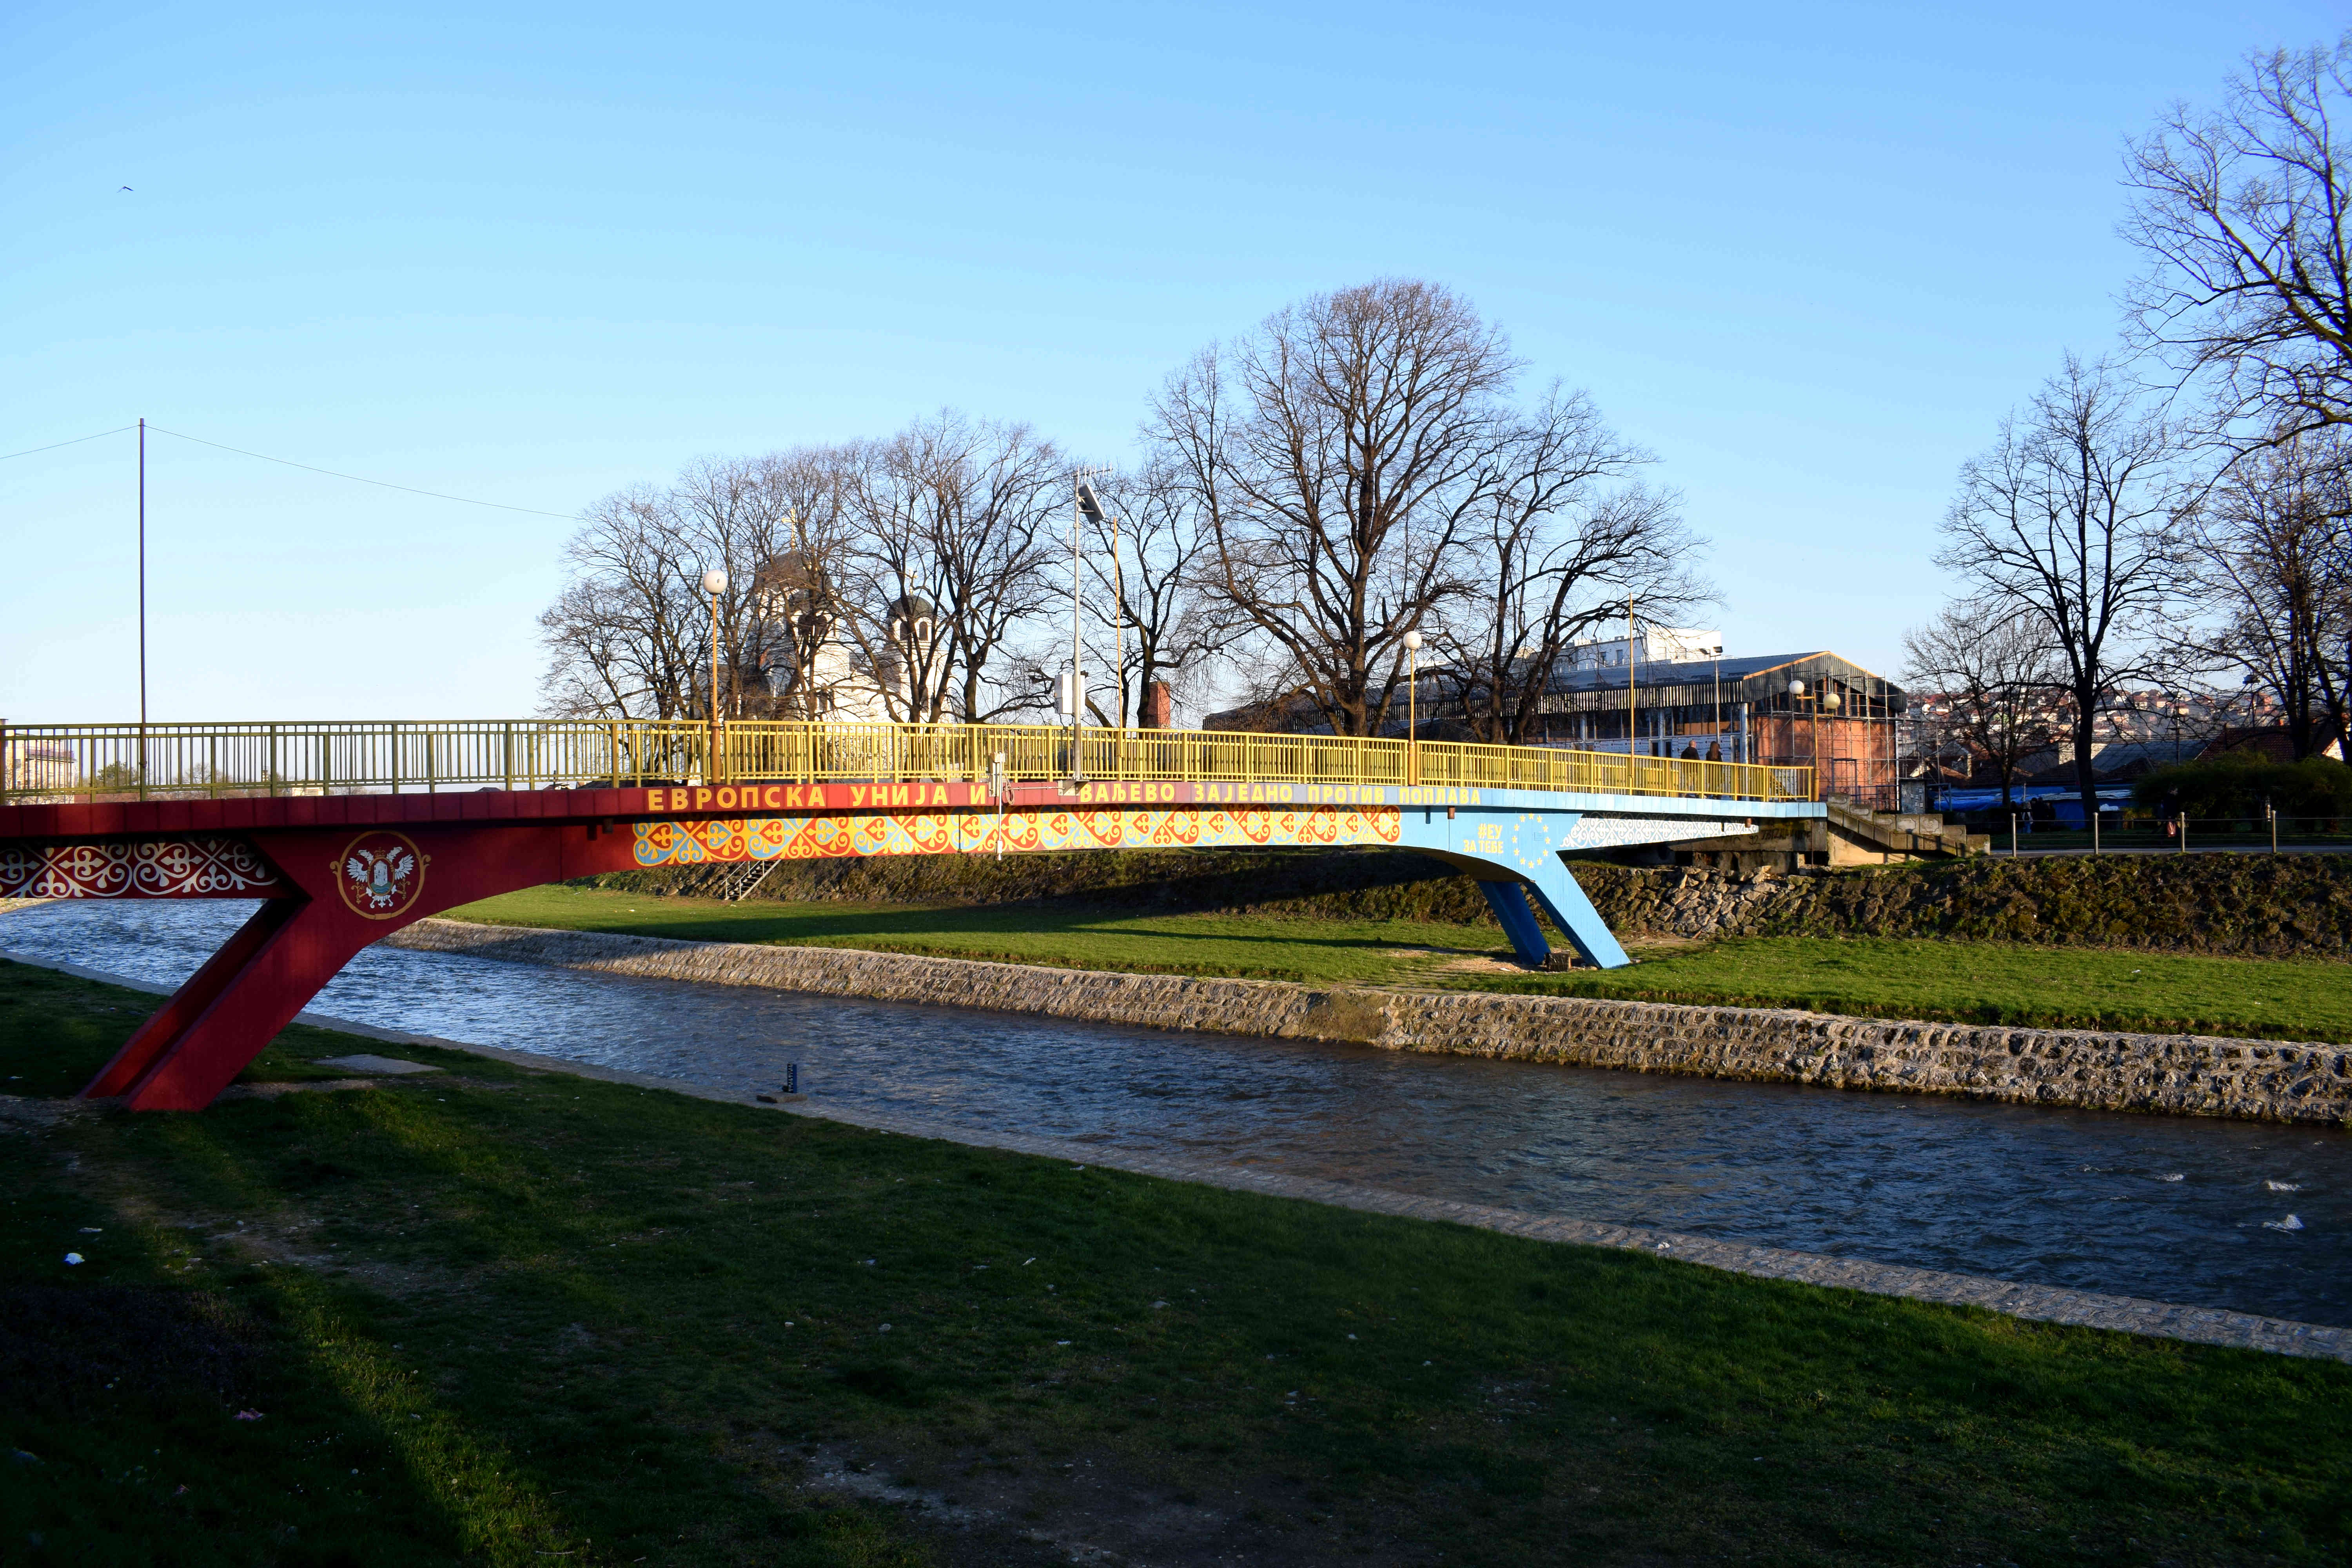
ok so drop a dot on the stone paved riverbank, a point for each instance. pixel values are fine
(2041, 1303)
(2092, 1069)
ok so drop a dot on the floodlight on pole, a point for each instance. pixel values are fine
(1085, 504)
(1090, 504)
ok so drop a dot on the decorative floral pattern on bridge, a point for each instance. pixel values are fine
(976, 833)
(144, 869)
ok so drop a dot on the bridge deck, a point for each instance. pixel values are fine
(123, 762)
(340, 842)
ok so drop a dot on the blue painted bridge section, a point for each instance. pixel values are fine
(1511, 842)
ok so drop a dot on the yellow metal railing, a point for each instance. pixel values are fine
(134, 761)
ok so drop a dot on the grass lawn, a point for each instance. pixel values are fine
(497, 1316)
(1988, 983)
(1964, 981)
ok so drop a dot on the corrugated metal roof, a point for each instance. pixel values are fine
(1691, 672)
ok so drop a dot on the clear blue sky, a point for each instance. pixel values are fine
(1808, 254)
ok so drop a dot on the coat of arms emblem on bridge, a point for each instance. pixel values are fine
(380, 875)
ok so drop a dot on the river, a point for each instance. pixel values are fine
(2174, 1209)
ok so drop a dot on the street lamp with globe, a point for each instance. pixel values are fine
(1413, 709)
(714, 582)
(1797, 694)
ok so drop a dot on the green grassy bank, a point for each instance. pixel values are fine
(2292, 906)
(1954, 981)
(496, 1316)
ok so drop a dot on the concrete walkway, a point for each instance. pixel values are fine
(2041, 1303)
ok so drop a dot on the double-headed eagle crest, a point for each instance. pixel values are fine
(379, 876)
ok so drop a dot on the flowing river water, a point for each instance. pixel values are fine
(2249, 1216)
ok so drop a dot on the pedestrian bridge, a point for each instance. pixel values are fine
(348, 831)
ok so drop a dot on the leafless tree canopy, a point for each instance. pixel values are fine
(2274, 565)
(1557, 546)
(631, 632)
(2073, 520)
(954, 517)
(1355, 465)
(1354, 471)
(1152, 614)
(2242, 214)
(1995, 666)
(922, 557)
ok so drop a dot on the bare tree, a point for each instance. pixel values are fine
(733, 515)
(1149, 608)
(1334, 456)
(797, 599)
(630, 635)
(2242, 214)
(1554, 551)
(1995, 667)
(2275, 564)
(955, 522)
(2074, 519)
(623, 636)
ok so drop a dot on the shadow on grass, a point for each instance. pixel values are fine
(543, 1314)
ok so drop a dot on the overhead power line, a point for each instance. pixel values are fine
(289, 462)
(359, 479)
(75, 442)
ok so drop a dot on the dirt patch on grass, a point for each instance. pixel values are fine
(82, 1350)
(18, 1114)
(988, 1507)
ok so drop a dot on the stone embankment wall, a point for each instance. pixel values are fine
(2180, 1074)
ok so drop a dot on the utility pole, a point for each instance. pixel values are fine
(143, 581)
(142, 607)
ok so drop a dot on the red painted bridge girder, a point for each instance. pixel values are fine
(336, 873)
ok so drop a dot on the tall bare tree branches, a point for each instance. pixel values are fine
(1554, 545)
(1996, 667)
(2274, 563)
(920, 562)
(627, 636)
(1353, 472)
(797, 593)
(2074, 519)
(1152, 614)
(2242, 214)
(1334, 454)
(956, 518)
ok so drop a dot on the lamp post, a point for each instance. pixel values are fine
(1087, 504)
(1830, 702)
(1413, 709)
(1798, 695)
(714, 582)
(1632, 657)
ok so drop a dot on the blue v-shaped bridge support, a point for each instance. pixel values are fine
(1512, 841)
